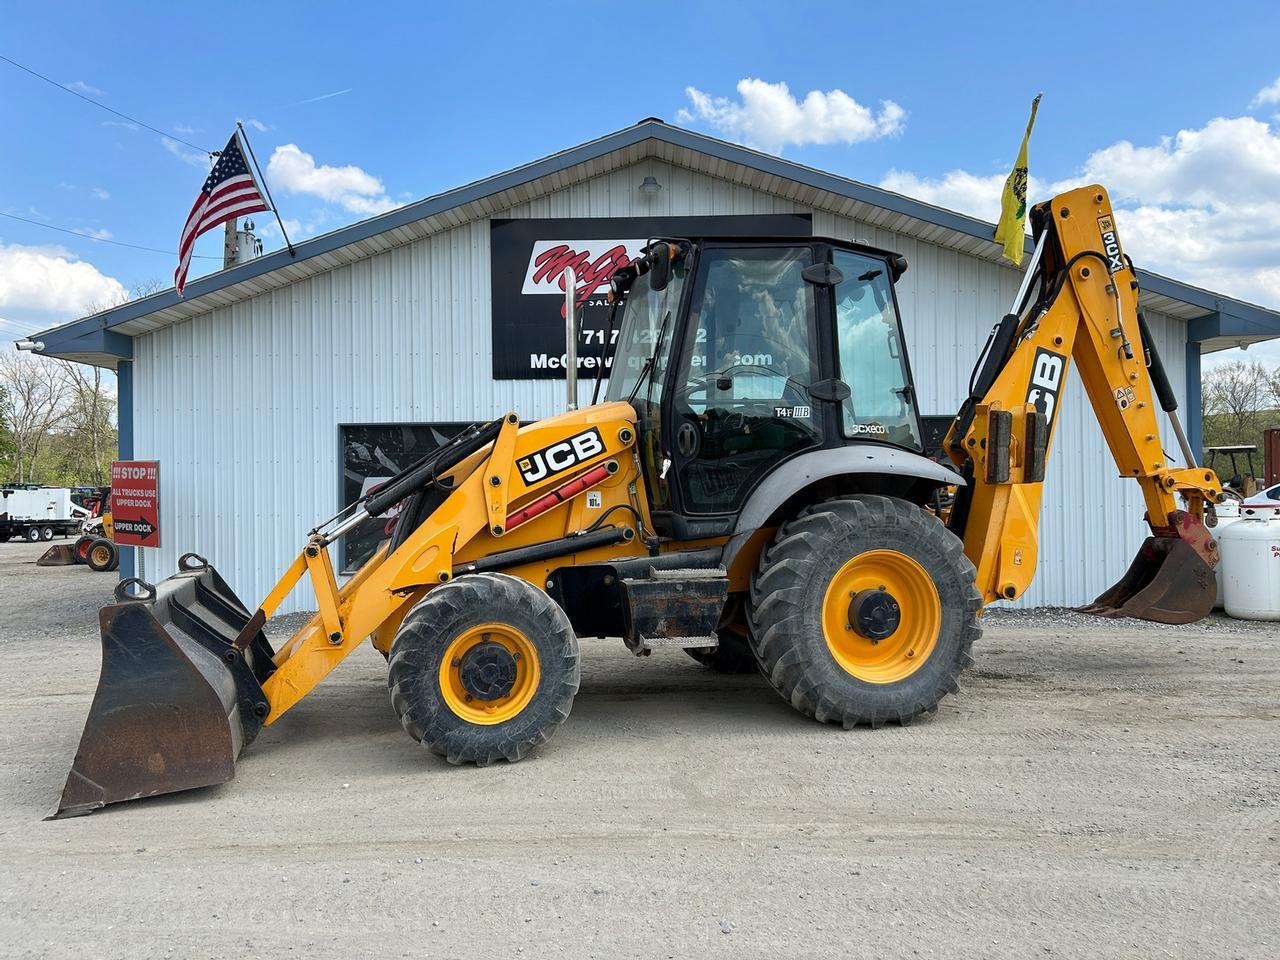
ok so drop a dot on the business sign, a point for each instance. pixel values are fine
(529, 258)
(135, 503)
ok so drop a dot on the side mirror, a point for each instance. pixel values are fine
(897, 267)
(659, 266)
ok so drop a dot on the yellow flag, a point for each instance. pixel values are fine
(1011, 230)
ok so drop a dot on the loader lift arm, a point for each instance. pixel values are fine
(1086, 310)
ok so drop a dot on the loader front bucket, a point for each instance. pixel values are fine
(178, 698)
(1169, 581)
(59, 555)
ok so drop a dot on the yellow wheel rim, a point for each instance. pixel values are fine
(101, 556)
(463, 658)
(918, 615)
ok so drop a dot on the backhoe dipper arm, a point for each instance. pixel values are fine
(1086, 311)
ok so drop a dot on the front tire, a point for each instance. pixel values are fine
(484, 668)
(864, 610)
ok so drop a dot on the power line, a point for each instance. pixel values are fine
(86, 236)
(21, 326)
(124, 116)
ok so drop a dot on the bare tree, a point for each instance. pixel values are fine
(1240, 398)
(38, 402)
(90, 420)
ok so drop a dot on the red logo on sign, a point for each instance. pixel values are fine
(550, 258)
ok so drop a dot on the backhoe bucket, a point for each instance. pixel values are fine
(1168, 582)
(177, 699)
(59, 555)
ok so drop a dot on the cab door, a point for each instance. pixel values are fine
(740, 391)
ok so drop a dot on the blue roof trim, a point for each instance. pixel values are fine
(1250, 314)
(71, 340)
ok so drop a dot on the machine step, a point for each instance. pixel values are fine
(674, 608)
(679, 643)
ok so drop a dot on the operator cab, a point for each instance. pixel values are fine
(739, 354)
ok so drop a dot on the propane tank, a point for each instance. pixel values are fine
(1250, 552)
(1225, 514)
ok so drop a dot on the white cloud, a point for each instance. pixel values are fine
(100, 193)
(94, 233)
(127, 125)
(293, 170)
(79, 86)
(1268, 94)
(45, 285)
(186, 130)
(257, 125)
(770, 117)
(1202, 206)
(190, 157)
(959, 190)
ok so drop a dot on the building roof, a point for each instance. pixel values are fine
(105, 338)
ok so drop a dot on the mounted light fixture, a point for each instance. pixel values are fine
(650, 186)
(33, 345)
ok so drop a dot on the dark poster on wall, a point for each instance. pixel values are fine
(529, 258)
(371, 455)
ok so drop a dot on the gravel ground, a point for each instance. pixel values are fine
(1100, 789)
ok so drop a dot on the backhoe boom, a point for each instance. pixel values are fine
(1087, 311)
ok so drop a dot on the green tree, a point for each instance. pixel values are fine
(7, 459)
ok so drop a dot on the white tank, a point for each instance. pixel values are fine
(1250, 551)
(1227, 513)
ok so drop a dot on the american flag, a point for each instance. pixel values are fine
(230, 191)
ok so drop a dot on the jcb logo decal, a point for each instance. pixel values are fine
(560, 456)
(1046, 381)
(1111, 244)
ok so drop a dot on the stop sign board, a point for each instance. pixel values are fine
(135, 502)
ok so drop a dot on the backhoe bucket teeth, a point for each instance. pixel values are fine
(59, 555)
(1168, 582)
(177, 699)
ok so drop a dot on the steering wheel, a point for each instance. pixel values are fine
(799, 391)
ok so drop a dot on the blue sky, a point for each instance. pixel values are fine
(433, 96)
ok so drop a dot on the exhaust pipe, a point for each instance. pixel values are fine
(571, 336)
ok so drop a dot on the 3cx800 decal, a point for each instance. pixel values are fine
(559, 457)
(1111, 244)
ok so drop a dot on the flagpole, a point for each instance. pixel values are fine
(267, 190)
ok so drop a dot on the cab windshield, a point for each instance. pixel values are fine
(644, 337)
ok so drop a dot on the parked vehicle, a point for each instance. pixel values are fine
(38, 513)
(1270, 497)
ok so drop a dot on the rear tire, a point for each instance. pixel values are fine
(80, 549)
(835, 564)
(46, 533)
(33, 534)
(484, 668)
(102, 556)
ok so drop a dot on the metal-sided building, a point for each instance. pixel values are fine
(278, 389)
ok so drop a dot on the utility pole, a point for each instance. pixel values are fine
(230, 245)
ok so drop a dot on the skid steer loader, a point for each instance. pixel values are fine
(751, 489)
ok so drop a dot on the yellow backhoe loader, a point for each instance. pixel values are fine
(752, 489)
